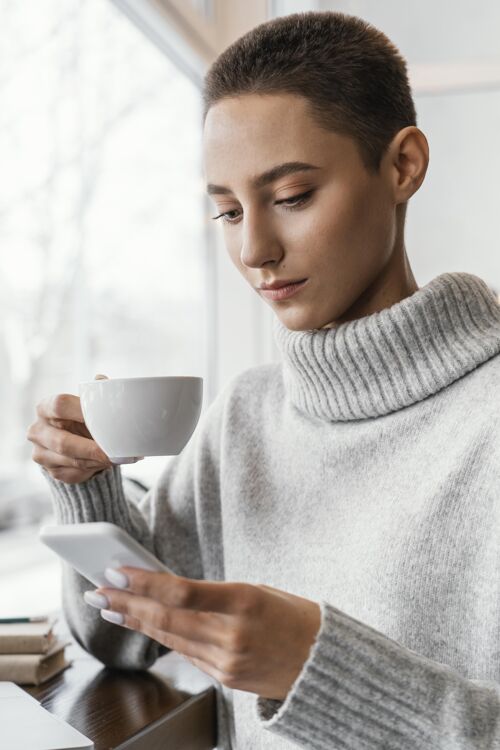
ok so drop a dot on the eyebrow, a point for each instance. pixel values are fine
(280, 170)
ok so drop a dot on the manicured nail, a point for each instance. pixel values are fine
(117, 578)
(110, 616)
(96, 600)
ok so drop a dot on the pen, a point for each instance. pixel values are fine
(23, 619)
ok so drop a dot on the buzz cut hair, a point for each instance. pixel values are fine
(353, 77)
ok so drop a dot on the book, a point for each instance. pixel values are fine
(32, 669)
(27, 637)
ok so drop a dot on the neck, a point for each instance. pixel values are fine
(393, 283)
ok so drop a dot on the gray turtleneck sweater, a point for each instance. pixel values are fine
(362, 471)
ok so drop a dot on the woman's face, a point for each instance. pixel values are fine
(333, 223)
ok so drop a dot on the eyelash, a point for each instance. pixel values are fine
(300, 200)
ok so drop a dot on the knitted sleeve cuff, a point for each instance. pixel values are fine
(100, 498)
(358, 688)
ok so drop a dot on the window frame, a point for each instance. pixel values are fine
(238, 324)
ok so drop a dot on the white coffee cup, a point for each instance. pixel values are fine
(136, 417)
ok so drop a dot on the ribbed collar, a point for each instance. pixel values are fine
(393, 358)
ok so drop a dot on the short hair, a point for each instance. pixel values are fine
(353, 77)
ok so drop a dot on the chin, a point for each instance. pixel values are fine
(301, 321)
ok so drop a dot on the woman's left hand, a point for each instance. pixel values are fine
(249, 637)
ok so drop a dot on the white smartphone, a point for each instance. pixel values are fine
(92, 547)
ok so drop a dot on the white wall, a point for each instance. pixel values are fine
(453, 55)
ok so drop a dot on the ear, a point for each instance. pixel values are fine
(407, 161)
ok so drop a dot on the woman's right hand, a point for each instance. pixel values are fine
(62, 442)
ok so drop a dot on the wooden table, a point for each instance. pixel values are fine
(170, 706)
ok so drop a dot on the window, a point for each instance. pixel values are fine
(101, 206)
(102, 259)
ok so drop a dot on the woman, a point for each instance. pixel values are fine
(334, 520)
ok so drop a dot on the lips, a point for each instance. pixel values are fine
(281, 284)
(285, 291)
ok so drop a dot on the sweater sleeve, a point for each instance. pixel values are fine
(164, 521)
(361, 690)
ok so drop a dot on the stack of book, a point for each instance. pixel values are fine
(30, 651)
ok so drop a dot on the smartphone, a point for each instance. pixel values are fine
(92, 547)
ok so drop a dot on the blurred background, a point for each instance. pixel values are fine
(108, 260)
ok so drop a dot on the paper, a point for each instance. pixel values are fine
(26, 725)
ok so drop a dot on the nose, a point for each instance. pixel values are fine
(260, 243)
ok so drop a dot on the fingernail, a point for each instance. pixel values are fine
(96, 600)
(115, 617)
(118, 579)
